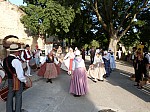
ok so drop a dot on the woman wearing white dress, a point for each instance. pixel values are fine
(112, 61)
(68, 59)
(97, 70)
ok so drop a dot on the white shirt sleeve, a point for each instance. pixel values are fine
(66, 56)
(19, 70)
(43, 60)
(55, 61)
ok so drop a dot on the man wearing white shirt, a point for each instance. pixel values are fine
(26, 56)
(13, 67)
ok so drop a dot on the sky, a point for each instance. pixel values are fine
(16, 2)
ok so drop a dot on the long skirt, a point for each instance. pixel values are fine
(51, 71)
(78, 83)
(70, 64)
(96, 72)
(99, 72)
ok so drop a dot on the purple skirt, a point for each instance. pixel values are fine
(78, 83)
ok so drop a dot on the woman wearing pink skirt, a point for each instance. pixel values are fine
(50, 70)
(78, 83)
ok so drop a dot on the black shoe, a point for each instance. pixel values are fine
(23, 110)
(50, 80)
(76, 95)
(100, 80)
(136, 84)
(47, 81)
(94, 81)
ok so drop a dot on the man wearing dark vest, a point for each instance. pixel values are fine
(26, 56)
(16, 79)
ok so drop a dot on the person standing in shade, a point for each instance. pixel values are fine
(112, 61)
(92, 54)
(83, 54)
(16, 79)
(106, 59)
(26, 56)
(78, 83)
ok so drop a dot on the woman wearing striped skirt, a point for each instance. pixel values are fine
(78, 83)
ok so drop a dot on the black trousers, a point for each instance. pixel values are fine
(17, 95)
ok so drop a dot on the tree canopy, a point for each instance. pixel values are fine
(47, 16)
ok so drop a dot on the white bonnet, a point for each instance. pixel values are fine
(77, 52)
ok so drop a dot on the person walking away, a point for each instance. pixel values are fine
(37, 52)
(16, 79)
(78, 83)
(26, 56)
(50, 68)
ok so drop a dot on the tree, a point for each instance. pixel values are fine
(116, 16)
(47, 16)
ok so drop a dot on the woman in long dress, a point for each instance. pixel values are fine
(112, 61)
(78, 83)
(68, 60)
(50, 68)
(96, 70)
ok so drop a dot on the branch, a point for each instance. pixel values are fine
(123, 33)
(95, 8)
(134, 16)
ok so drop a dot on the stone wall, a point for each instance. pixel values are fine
(10, 23)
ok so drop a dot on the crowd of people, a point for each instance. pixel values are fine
(102, 63)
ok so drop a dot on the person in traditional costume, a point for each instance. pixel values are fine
(59, 52)
(112, 61)
(26, 55)
(16, 79)
(83, 54)
(49, 67)
(96, 70)
(139, 72)
(68, 59)
(92, 54)
(36, 53)
(78, 83)
(106, 59)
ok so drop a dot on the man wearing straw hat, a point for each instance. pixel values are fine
(16, 79)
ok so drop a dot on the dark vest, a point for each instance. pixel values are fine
(9, 61)
(48, 60)
(25, 56)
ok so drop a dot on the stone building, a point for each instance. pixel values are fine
(11, 29)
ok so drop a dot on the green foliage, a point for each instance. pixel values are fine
(47, 17)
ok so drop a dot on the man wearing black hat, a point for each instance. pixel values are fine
(16, 79)
(26, 56)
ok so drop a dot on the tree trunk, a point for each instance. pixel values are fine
(113, 46)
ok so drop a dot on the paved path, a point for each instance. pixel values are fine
(116, 92)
